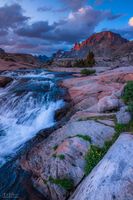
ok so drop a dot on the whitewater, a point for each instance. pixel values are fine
(27, 105)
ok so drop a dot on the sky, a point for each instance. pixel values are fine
(41, 27)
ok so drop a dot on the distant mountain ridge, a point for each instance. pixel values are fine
(102, 44)
(107, 47)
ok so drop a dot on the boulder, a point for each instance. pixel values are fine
(108, 103)
(112, 178)
(4, 81)
(62, 155)
(123, 116)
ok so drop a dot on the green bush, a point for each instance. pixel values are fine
(128, 92)
(128, 96)
(87, 72)
(130, 107)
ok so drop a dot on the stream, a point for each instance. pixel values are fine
(27, 105)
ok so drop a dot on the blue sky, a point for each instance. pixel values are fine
(44, 26)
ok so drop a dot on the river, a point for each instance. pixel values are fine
(27, 105)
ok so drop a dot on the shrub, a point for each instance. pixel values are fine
(87, 72)
(128, 92)
(65, 183)
(130, 107)
(128, 96)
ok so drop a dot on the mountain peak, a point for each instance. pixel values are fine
(106, 38)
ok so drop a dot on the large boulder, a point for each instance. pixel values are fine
(4, 81)
(112, 178)
(62, 155)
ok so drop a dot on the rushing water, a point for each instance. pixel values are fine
(27, 105)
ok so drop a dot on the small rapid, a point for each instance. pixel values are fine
(27, 106)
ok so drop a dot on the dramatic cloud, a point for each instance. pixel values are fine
(36, 30)
(11, 16)
(19, 33)
(79, 25)
(130, 21)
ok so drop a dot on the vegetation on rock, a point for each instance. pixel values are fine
(60, 156)
(95, 154)
(88, 62)
(87, 72)
(84, 137)
(128, 96)
(65, 183)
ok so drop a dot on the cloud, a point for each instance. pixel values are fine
(11, 16)
(36, 30)
(50, 9)
(77, 26)
(19, 34)
(74, 4)
(130, 22)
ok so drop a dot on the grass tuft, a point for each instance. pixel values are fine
(65, 183)
(95, 154)
(84, 137)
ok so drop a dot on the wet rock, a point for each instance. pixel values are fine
(112, 178)
(123, 116)
(4, 81)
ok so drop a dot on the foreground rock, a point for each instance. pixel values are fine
(62, 156)
(5, 81)
(112, 178)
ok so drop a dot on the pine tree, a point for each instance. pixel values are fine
(90, 60)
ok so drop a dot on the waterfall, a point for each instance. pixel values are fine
(27, 105)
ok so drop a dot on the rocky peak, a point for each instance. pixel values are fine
(107, 38)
